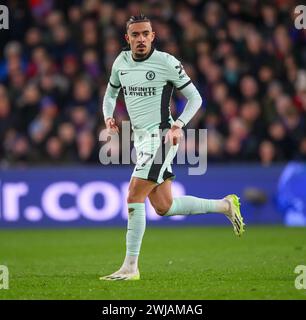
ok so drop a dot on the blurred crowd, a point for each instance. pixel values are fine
(246, 58)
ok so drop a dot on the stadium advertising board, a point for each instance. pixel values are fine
(93, 196)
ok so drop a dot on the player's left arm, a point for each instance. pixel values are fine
(194, 102)
(182, 82)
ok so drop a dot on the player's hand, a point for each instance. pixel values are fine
(111, 126)
(174, 135)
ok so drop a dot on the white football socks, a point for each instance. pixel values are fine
(187, 205)
(184, 205)
(135, 231)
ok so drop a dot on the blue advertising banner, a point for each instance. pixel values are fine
(96, 196)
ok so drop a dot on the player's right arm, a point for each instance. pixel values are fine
(109, 100)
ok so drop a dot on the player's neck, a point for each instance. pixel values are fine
(145, 57)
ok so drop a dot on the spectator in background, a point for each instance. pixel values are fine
(83, 94)
(91, 64)
(13, 61)
(54, 151)
(17, 149)
(267, 153)
(16, 83)
(33, 39)
(248, 62)
(6, 117)
(62, 44)
(70, 70)
(44, 124)
(279, 136)
(27, 107)
(67, 135)
(214, 146)
(80, 119)
(87, 151)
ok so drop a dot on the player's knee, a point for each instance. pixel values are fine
(134, 197)
(162, 208)
(160, 212)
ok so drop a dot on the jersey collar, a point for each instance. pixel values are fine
(143, 59)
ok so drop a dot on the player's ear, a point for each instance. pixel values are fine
(127, 38)
(153, 35)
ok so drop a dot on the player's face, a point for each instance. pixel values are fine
(140, 37)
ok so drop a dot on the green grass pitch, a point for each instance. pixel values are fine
(176, 263)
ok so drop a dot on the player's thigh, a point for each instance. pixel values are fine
(161, 197)
(139, 189)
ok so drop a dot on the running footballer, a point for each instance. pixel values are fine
(148, 77)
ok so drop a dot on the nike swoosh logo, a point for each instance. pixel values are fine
(137, 169)
(123, 73)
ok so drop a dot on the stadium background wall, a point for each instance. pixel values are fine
(95, 196)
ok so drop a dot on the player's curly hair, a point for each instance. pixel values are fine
(136, 19)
